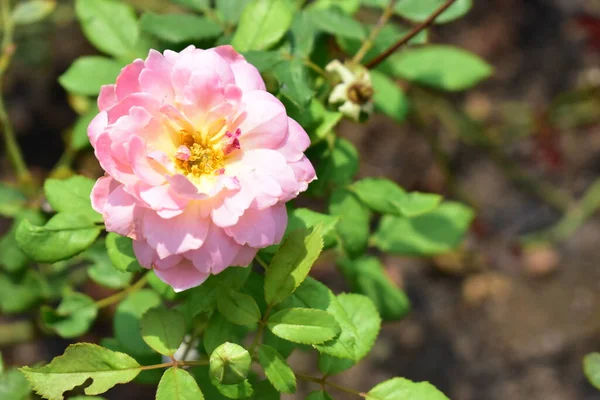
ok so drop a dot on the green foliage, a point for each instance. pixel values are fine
(262, 24)
(102, 270)
(87, 74)
(13, 384)
(12, 201)
(178, 384)
(400, 389)
(71, 194)
(420, 10)
(436, 232)
(389, 98)
(334, 21)
(319, 395)
(353, 226)
(591, 367)
(81, 362)
(79, 138)
(230, 363)
(294, 82)
(73, 317)
(30, 11)
(64, 236)
(163, 330)
(12, 259)
(291, 264)
(303, 325)
(238, 308)
(277, 370)
(120, 252)
(127, 323)
(177, 28)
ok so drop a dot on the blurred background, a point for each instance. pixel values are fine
(497, 319)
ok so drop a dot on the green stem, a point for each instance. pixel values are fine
(12, 148)
(261, 327)
(367, 44)
(406, 38)
(324, 382)
(175, 364)
(115, 298)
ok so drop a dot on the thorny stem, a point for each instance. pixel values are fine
(324, 382)
(115, 298)
(414, 32)
(175, 364)
(367, 44)
(12, 147)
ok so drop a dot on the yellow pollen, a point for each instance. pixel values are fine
(204, 158)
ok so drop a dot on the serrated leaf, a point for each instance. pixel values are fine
(178, 28)
(242, 390)
(88, 73)
(73, 317)
(291, 264)
(337, 23)
(12, 201)
(163, 330)
(238, 308)
(28, 12)
(294, 83)
(420, 10)
(303, 325)
(262, 24)
(127, 321)
(439, 66)
(436, 232)
(354, 224)
(120, 252)
(178, 384)
(79, 363)
(305, 218)
(63, 236)
(72, 195)
(591, 367)
(366, 275)
(12, 258)
(402, 389)
(102, 270)
(303, 34)
(109, 25)
(276, 369)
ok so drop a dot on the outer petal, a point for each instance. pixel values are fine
(140, 163)
(295, 142)
(305, 174)
(121, 213)
(155, 78)
(260, 228)
(101, 191)
(128, 79)
(177, 235)
(181, 277)
(217, 252)
(107, 97)
(265, 125)
(97, 127)
(246, 75)
(144, 253)
(245, 256)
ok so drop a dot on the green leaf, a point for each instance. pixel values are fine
(591, 367)
(72, 195)
(366, 275)
(109, 25)
(283, 347)
(262, 24)
(12, 201)
(305, 218)
(17, 295)
(439, 66)
(234, 277)
(177, 28)
(294, 84)
(79, 363)
(303, 34)
(11, 256)
(102, 270)
(79, 137)
(231, 10)
(389, 98)
(239, 308)
(120, 252)
(263, 390)
(264, 61)
(73, 317)
(239, 391)
(339, 168)
(88, 73)
(417, 203)
(337, 23)
(291, 263)
(277, 370)
(420, 10)
(14, 386)
(402, 389)
(178, 384)
(28, 12)
(127, 322)
(64, 236)
(303, 325)
(163, 330)
(203, 298)
(197, 5)
(433, 233)
(319, 395)
(230, 363)
(219, 330)
(365, 318)
(353, 227)
(348, 6)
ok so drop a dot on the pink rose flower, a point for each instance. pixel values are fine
(199, 159)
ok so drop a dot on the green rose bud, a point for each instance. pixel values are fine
(229, 363)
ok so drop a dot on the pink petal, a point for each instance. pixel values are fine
(266, 123)
(181, 277)
(245, 256)
(260, 228)
(140, 164)
(96, 127)
(295, 142)
(155, 78)
(100, 192)
(217, 252)
(121, 213)
(107, 97)
(168, 262)
(246, 75)
(128, 80)
(162, 197)
(144, 253)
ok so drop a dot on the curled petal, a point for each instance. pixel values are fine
(182, 277)
(260, 228)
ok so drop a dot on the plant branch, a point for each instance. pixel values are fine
(12, 148)
(367, 44)
(261, 327)
(324, 382)
(175, 364)
(414, 32)
(115, 298)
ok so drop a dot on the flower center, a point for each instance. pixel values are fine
(198, 155)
